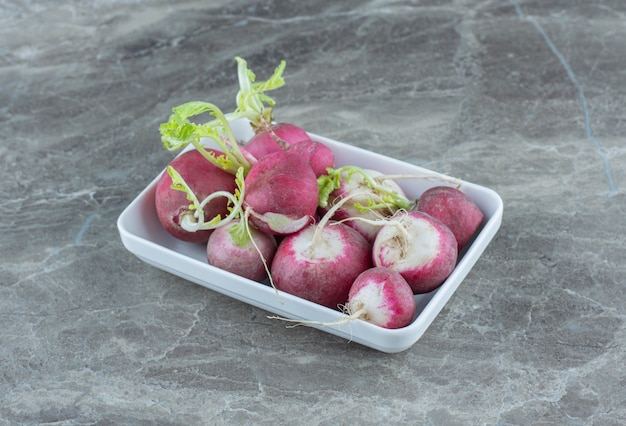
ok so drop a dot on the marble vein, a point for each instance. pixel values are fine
(600, 150)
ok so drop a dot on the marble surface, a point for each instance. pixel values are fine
(525, 97)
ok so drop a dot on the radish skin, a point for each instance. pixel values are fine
(320, 264)
(382, 297)
(204, 179)
(421, 248)
(248, 261)
(281, 193)
(274, 138)
(319, 156)
(455, 209)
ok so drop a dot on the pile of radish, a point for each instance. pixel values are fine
(277, 210)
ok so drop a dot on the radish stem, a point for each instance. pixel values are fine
(196, 222)
(450, 180)
(246, 225)
(251, 98)
(179, 131)
(332, 180)
(327, 217)
(348, 315)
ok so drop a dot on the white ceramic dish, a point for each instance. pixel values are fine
(142, 235)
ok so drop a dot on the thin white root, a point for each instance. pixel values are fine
(450, 180)
(329, 215)
(382, 222)
(307, 323)
(199, 224)
(349, 315)
(246, 215)
(376, 222)
(400, 225)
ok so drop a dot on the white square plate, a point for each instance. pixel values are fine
(142, 234)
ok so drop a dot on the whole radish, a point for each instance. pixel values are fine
(281, 193)
(455, 209)
(249, 259)
(418, 246)
(320, 263)
(382, 297)
(203, 179)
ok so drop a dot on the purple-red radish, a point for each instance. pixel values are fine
(320, 264)
(382, 297)
(319, 156)
(418, 246)
(249, 260)
(274, 138)
(455, 209)
(281, 193)
(203, 179)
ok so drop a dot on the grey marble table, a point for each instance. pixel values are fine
(525, 97)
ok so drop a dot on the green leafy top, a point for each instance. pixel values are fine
(252, 104)
(334, 177)
(179, 132)
(326, 184)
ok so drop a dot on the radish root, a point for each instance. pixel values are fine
(329, 215)
(349, 314)
(446, 179)
(246, 221)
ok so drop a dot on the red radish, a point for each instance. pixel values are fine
(455, 209)
(249, 260)
(319, 156)
(320, 263)
(203, 179)
(370, 199)
(274, 138)
(281, 193)
(421, 248)
(383, 297)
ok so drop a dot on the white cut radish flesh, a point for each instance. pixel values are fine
(382, 297)
(421, 248)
